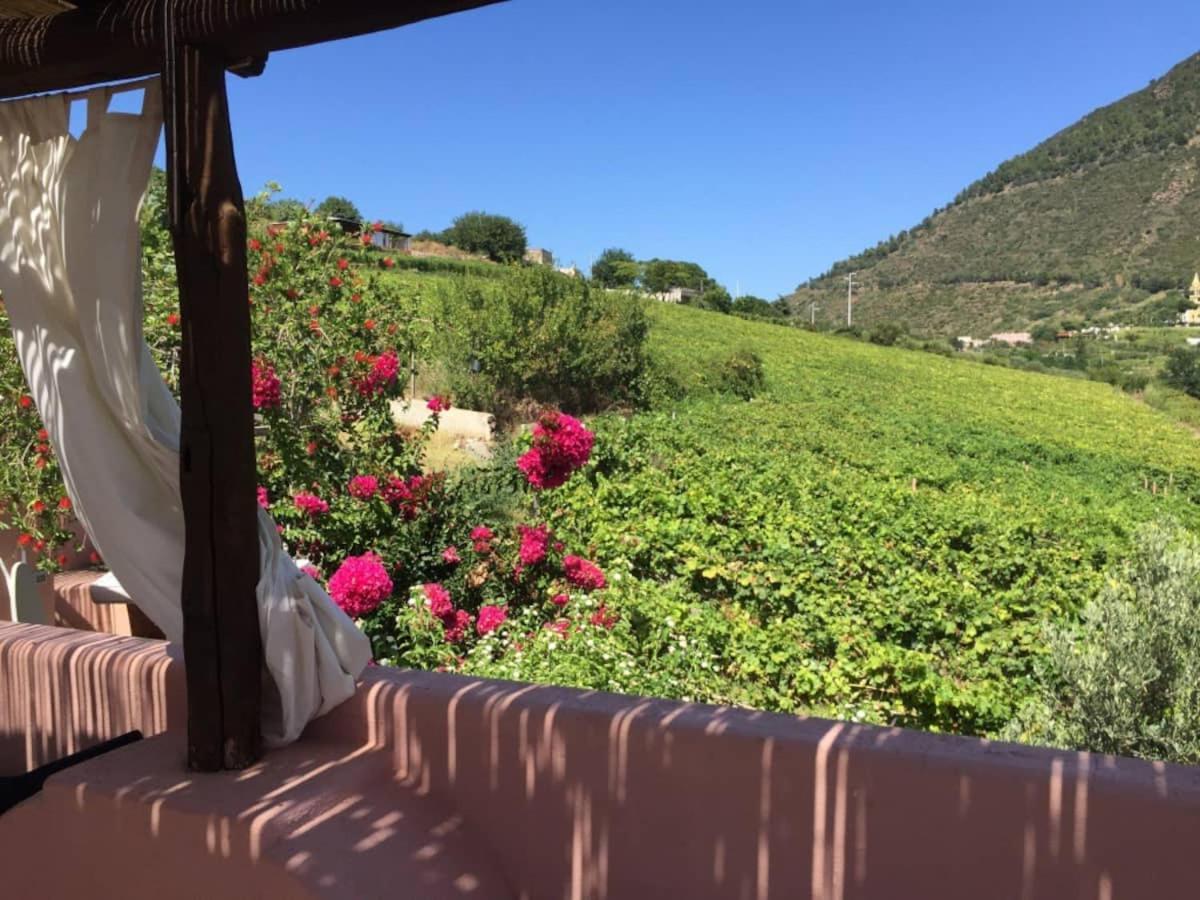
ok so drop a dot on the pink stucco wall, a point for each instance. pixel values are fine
(462, 787)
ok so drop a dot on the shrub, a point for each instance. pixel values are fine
(886, 334)
(536, 335)
(1126, 680)
(740, 374)
(1183, 370)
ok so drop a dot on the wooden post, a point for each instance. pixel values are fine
(221, 641)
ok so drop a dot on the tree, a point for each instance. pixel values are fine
(715, 298)
(616, 268)
(749, 305)
(340, 207)
(1183, 370)
(660, 275)
(498, 238)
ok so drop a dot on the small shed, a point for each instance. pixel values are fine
(385, 237)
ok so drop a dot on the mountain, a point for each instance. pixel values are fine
(1099, 222)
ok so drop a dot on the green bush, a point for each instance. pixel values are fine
(886, 334)
(499, 238)
(1183, 370)
(1126, 680)
(537, 336)
(740, 374)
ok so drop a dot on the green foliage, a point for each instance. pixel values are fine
(616, 268)
(886, 334)
(340, 207)
(498, 238)
(1183, 370)
(1126, 679)
(740, 374)
(536, 335)
(714, 298)
(757, 307)
(882, 535)
(660, 275)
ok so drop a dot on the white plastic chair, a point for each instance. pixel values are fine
(24, 603)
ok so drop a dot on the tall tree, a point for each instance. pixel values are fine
(659, 275)
(615, 268)
(340, 207)
(498, 237)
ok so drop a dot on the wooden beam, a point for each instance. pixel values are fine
(221, 642)
(125, 38)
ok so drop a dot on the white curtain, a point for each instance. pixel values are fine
(70, 277)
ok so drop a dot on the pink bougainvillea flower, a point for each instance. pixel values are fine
(602, 618)
(490, 618)
(438, 600)
(561, 444)
(583, 574)
(363, 487)
(382, 374)
(311, 571)
(360, 584)
(481, 533)
(561, 627)
(456, 627)
(450, 556)
(560, 600)
(437, 404)
(310, 504)
(264, 385)
(534, 541)
(264, 499)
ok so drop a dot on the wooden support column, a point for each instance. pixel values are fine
(222, 645)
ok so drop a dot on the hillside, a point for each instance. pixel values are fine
(882, 534)
(1100, 220)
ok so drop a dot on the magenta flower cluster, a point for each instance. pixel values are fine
(363, 487)
(455, 622)
(360, 584)
(534, 541)
(437, 404)
(490, 618)
(381, 375)
(310, 504)
(561, 444)
(264, 385)
(583, 573)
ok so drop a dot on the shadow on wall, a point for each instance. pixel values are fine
(444, 786)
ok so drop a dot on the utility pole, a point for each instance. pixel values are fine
(850, 299)
(812, 313)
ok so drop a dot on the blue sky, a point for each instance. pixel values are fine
(764, 140)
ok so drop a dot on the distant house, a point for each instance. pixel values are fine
(1192, 316)
(676, 295)
(539, 257)
(570, 271)
(382, 236)
(1011, 338)
(966, 342)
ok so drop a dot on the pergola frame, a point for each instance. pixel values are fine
(192, 43)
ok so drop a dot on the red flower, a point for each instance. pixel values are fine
(25, 539)
(583, 573)
(43, 434)
(310, 504)
(314, 310)
(456, 629)
(369, 324)
(490, 618)
(355, 298)
(360, 584)
(311, 448)
(264, 385)
(363, 487)
(172, 319)
(439, 602)
(366, 239)
(25, 401)
(291, 293)
(38, 506)
(335, 282)
(62, 559)
(343, 264)
(450, 556)
(260, 279)
(560, 600)
(437, 404)
(94, 558)
(377, 227)
(533, 544)
(255, 244)
(561, 444)
(264, 499)
(64, 503)
(388, 262)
